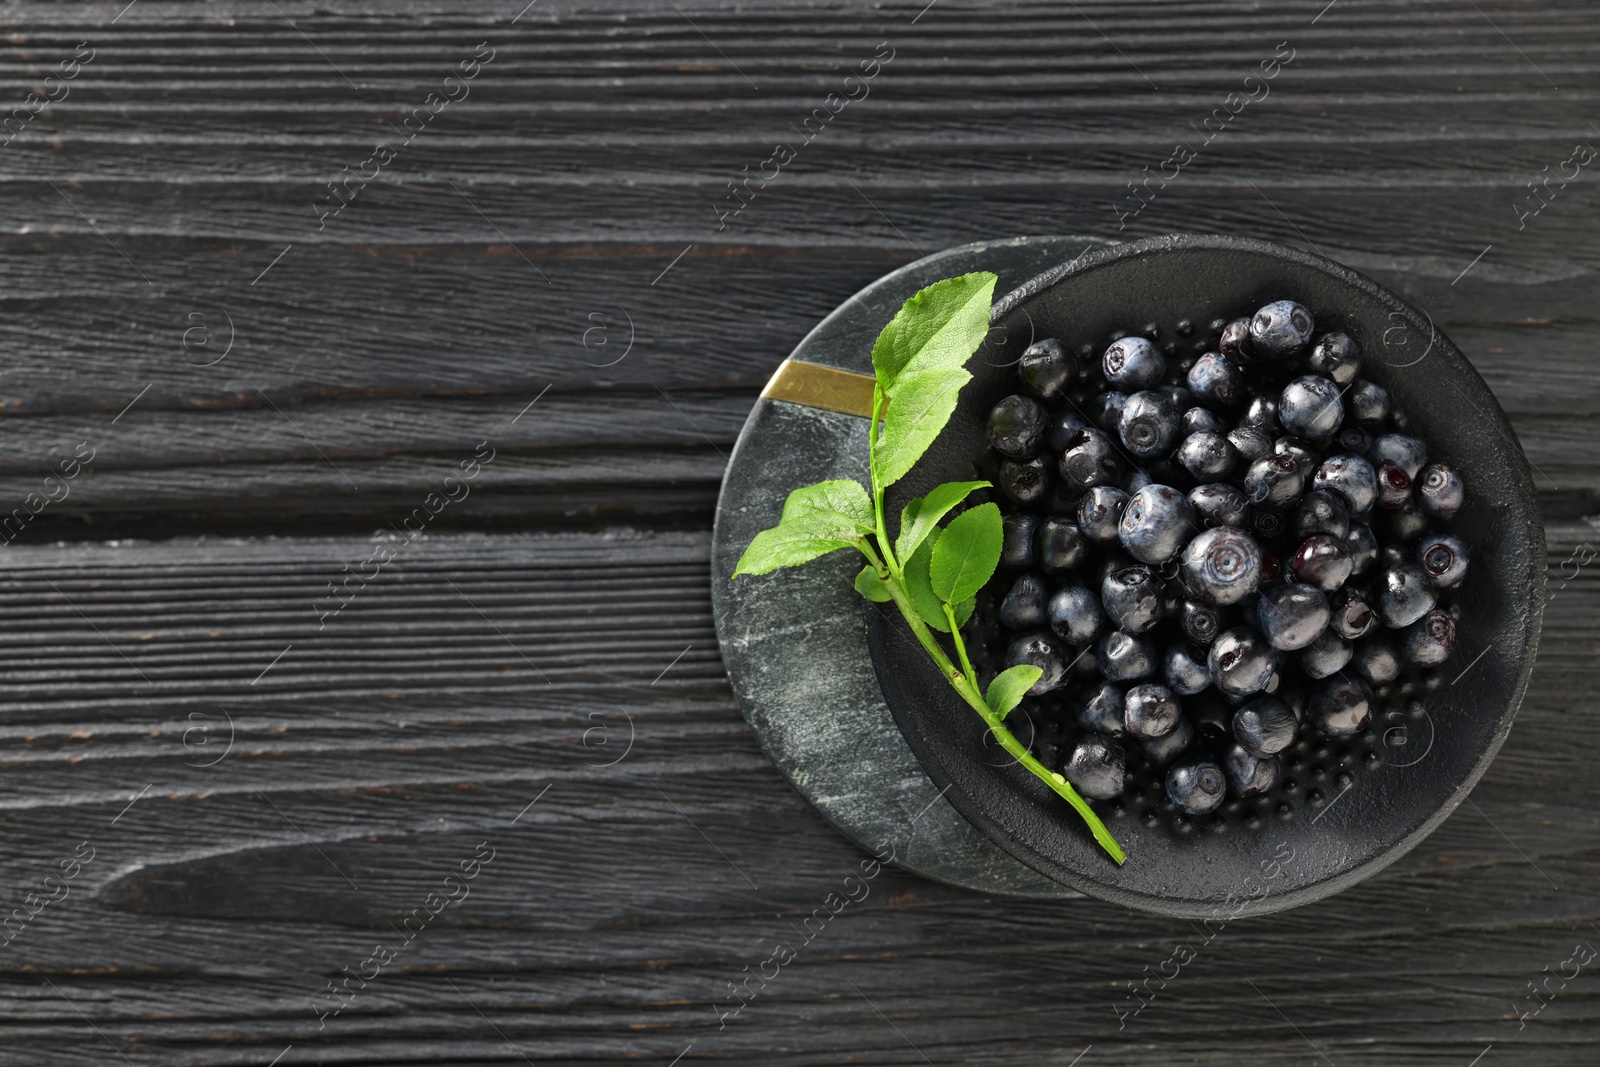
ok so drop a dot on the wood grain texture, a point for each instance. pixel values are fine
(561, 215)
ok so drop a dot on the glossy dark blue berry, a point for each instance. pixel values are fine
(1405, 452)
(1261, 414)
(1059, 545)
(1207, 456)
(1251, 444)
(1064, 426)
(1440, 491)
(1133, 363)
(1039, 649)
(1156, 523)
(1185, 669)
(1100, 514)
(1017, 427)
(1197, 419)
(1322, 561)
(1216, 381)
(1327, 655)
(1280, 330)
(1394, 486)
(1405, 594)
(1219, 504)
(1321, 512)
(1362, 545)
(1352, 478)
(1222, 566)
(1376, 661)
(1405, 523)
(1444, 558)
(1105, 409)
(1149, 424)
(1150, 711)
(1341, 706)
(1234, 341)
(1016, 546)
(1350, 614)
(1241, 662)
(1335, 355)
(1075, 615)
(1310, 407)
(1200, 622)
(1181, 398)
(1429, 641)
(1353, 439)
(1096, 767)
(1131, 599)
(1125, 657)
(1091, 459)
(1169, 746)
(1292, 616)
(1197, 786)
(1023, 607)
(1102, 711)
(1367, 403)
(1265, 726)
(1027, 482)
(1274, 481)
(1047, 369)
(1305, 455)
(1249, 775)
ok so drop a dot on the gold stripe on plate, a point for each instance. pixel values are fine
(821, 387)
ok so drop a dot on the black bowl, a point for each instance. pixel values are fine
(1358, 805)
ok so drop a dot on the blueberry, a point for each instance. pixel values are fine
(1016, 546)
(1197, 419)
(1336, 356)
(1261, 414)
(1292, 616)
(1322, 512)
(1151, 711)
(1440, 491)
(1181, 398)
(1043, 651)
(1149, 424)
(1341, 706)
(1351, 615)
(1394, 486)
(1280, 330)
(1096, 767)
(1429, 641)
(1240, 661)
(1405, 594)
(1248, 775)
(1063, 428)
(1074, 614)
(1274, 480)
(1326, 655)
(1405, 452)
(1047, 369)
(1218, 504)
(1322, 561)
(1169, 746)
(1027, 482)
(1213, 718)
(1216, 381)
(1185, 669)
(1376, 661)
(1304, 455)
(1222, 566)
(1133, 363)
(1200, 622)
(1155, 523)
(1131, 599)
(1353, 438)
(1444, 559)
(1124, 657)
(1251, 443)
(1207, 455)
(1405, 523)
(1100, 513)
(1265, 726)
(1090, 459)
(1310, 407)
(1024, 606)
(1102, 712)
(1235, 340)
(1059, 545)
(1392, 556)
(1106, 408)
(1352, 478)
(1362, 545)
(1197, 787)
(1367, 403)
(1017, 427)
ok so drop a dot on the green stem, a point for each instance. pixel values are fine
(894, 564)
(961, 646)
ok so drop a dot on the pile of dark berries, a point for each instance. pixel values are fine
(1212, 558)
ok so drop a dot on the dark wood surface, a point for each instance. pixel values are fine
(559, 612)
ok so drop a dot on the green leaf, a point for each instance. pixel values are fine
(940, 327)
(817, 519)
(869, 585)
(923, 513)
(921, 405)
(963, 610)
(843, 502)
(1010, 686)
(928, 606)
(967, 553)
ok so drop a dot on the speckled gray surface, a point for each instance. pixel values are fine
(794, 642)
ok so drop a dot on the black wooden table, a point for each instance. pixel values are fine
(370, 373)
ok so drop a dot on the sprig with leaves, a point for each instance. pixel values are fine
(932, 573)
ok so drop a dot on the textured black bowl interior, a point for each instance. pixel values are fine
(1359, 806)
